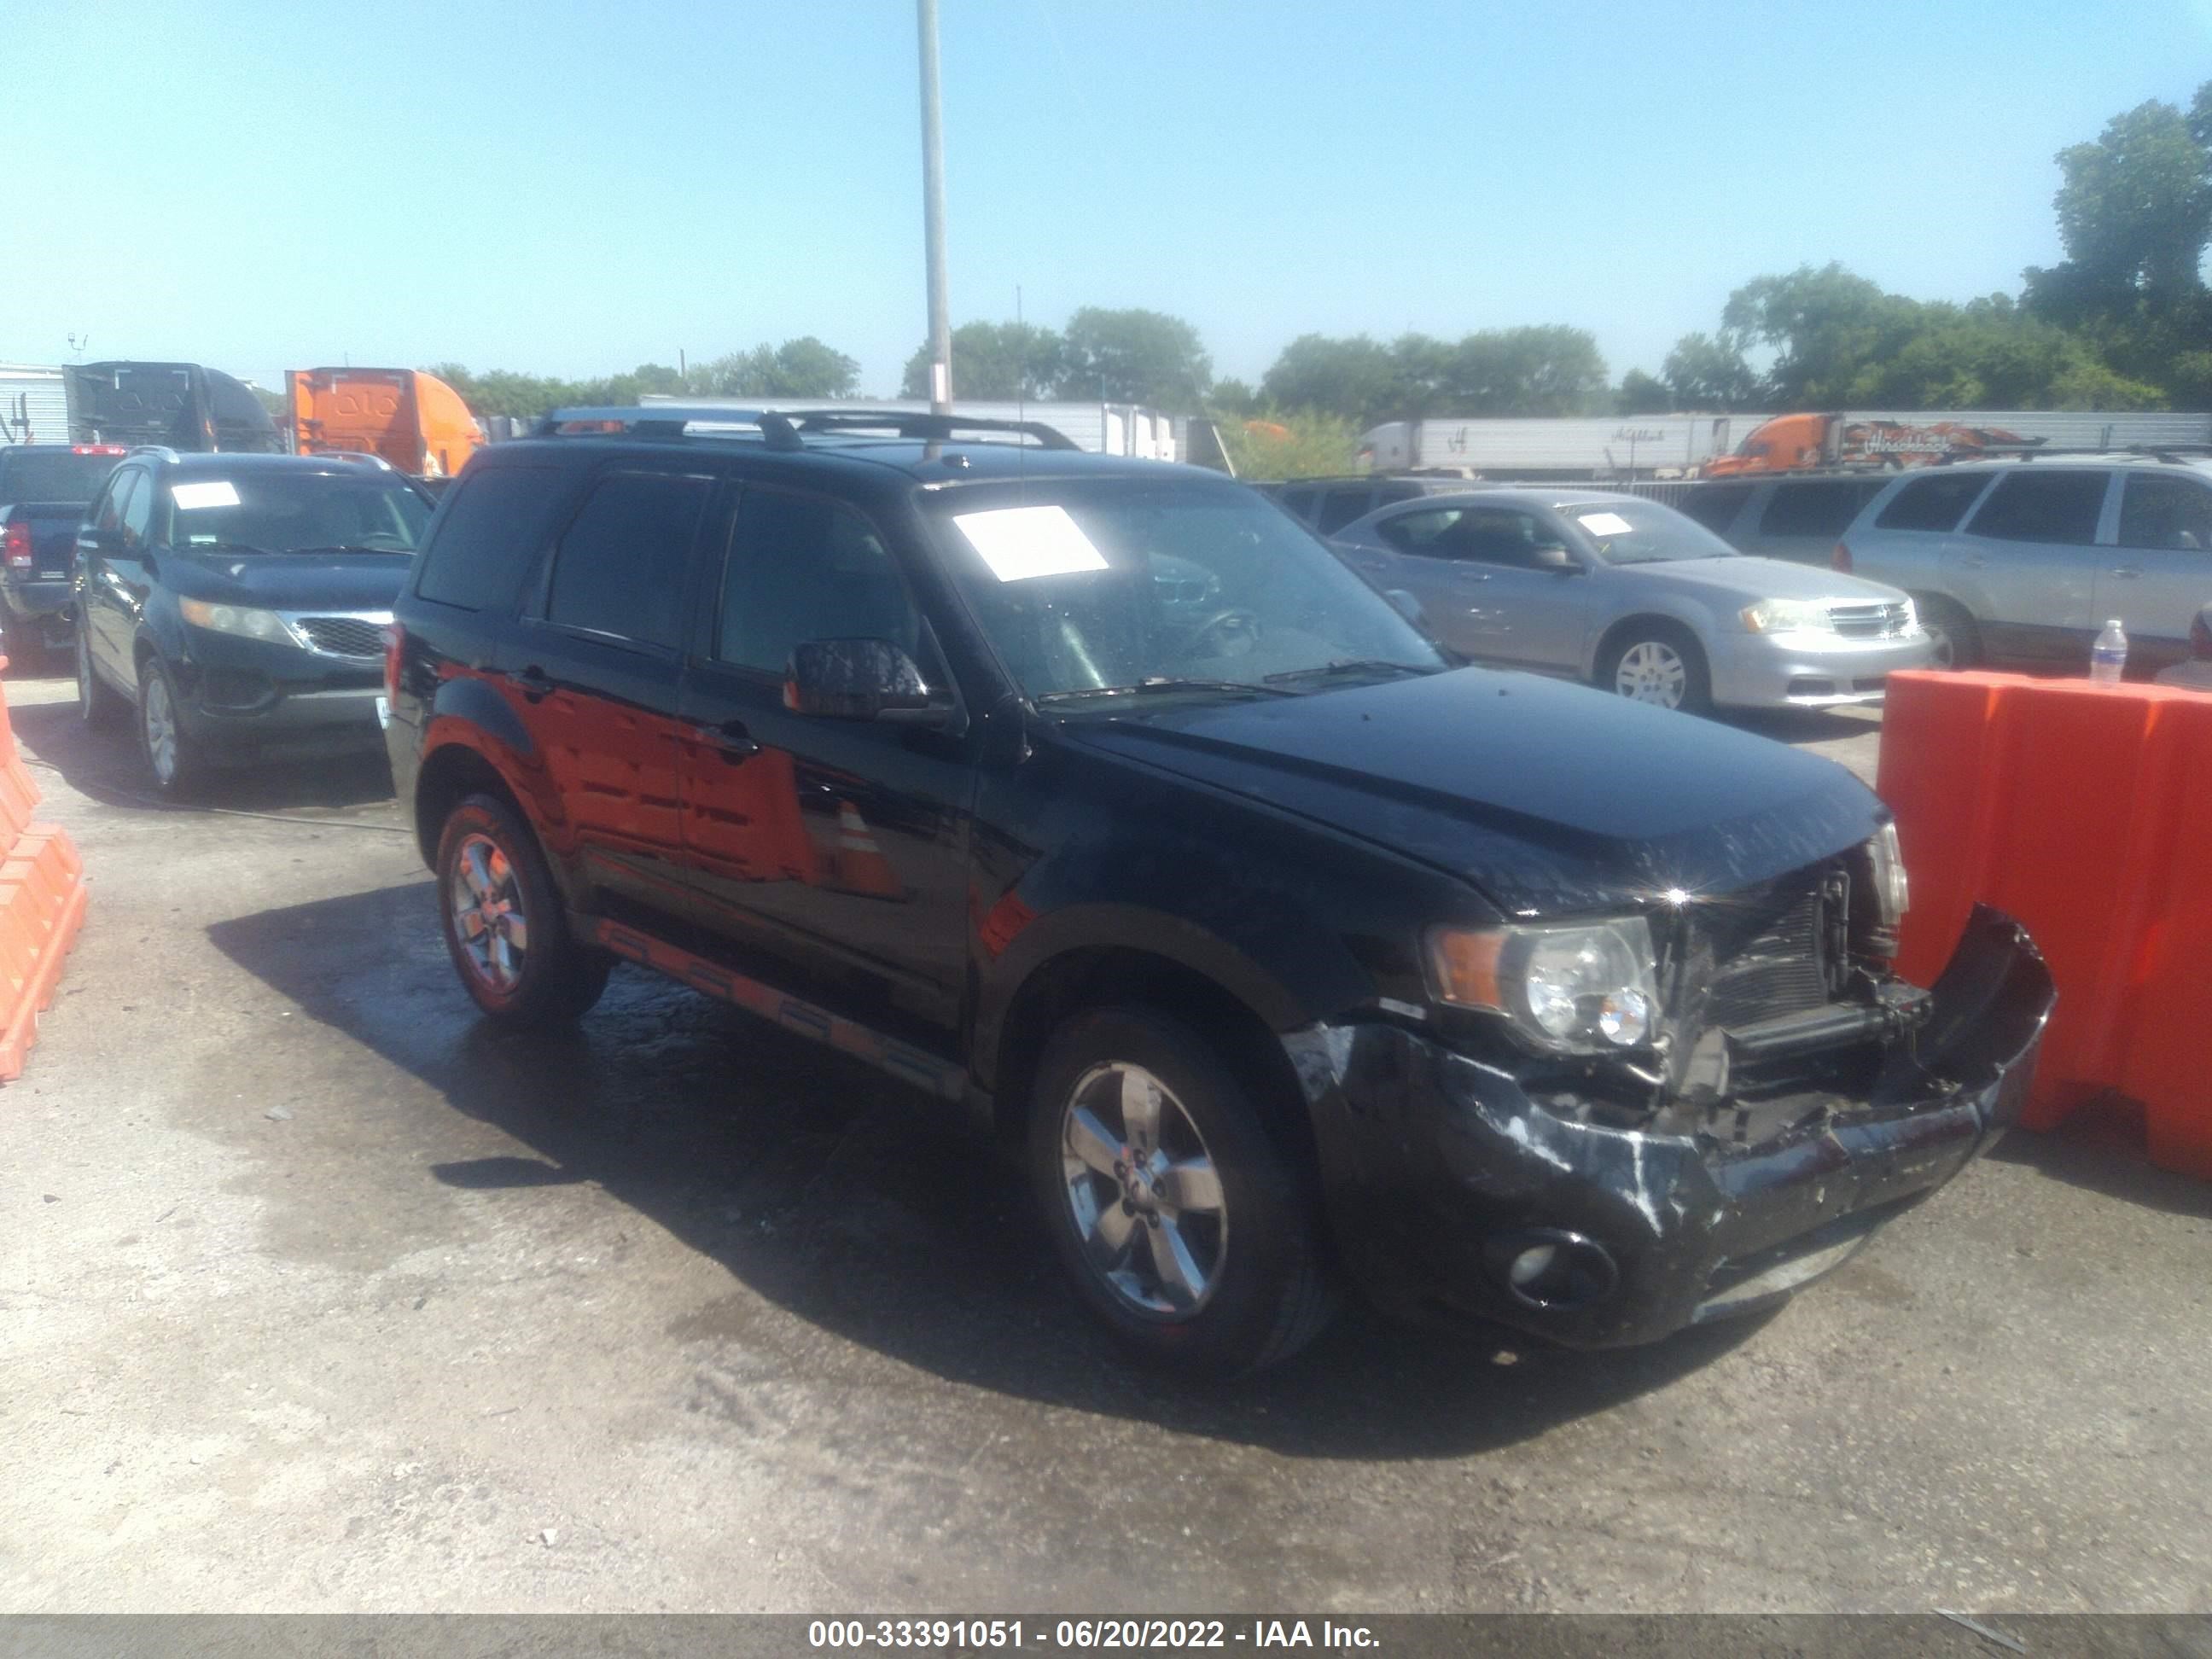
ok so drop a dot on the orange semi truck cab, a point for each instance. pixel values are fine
(1791, 443)
(413, 420)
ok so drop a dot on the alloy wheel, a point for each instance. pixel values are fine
(159, 716)
(1944, 650)
(1652, 672)
(1143, 1192)
(484, 897)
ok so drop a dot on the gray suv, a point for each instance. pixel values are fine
(2018, 564)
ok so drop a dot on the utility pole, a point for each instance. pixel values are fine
(933, 213)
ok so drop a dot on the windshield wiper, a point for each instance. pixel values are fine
(1347, 666)
(355, 547)
(222, 547)
(1159, 683)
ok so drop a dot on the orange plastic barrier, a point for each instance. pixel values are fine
(2086, 812)
(42, 900)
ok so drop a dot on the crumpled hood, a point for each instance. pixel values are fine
(1551, 798)
(293, 582)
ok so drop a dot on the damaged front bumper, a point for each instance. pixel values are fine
(1451, 1191)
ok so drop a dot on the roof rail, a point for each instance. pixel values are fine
(159, 452)
(783, 428)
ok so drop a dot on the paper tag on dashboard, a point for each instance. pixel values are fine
(1019, 542)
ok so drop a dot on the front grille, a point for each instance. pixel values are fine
(1868, 622)
(343, 636)
(1767, 957)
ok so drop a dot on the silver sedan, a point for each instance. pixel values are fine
(1635, 597)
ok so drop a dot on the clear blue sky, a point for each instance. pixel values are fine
(573, 189)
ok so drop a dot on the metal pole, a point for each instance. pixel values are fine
(933, 213)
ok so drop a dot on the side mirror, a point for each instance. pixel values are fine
(1405, 603)
(1556, 557)
(860, 680)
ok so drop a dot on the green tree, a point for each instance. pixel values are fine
(1709, 371)
(1001, 361)
(1301, 443)
(1550, 370)
(1824, 327)
(1135, 356)
(803, 368)
(1643, 394)
(1513, 371)
(1358, 378)
(1233, 399)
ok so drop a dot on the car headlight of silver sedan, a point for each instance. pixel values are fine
(1588, 987)
(1787, 616)
(243, 620)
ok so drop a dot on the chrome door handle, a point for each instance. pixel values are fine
(730, 737)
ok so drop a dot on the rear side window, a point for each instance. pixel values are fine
(2174, 513)
(1813, 509)
(487, 532)
(1715, 509)
(619, 569)
(1338, 507)
(1936, 502)
(2035, 506)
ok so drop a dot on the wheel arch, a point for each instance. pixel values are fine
(1646, 616)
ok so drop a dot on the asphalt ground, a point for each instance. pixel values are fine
(318, 1294)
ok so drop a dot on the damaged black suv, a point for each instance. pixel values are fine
(1095, 798)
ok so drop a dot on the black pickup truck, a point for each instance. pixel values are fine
(44, 489)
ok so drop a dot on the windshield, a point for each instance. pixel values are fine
(1119, 584)
(1628, 531)
(57, 475)
(287, 512)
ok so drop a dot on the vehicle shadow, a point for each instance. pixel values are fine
(105, 764)
(1804, 725)
(2100, 1148)
(835, 1194)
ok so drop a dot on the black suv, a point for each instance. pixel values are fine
(1096, 798)
(236, 605)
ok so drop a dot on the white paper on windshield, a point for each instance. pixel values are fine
(1606, 524)
(1019, 542)
(214, 492)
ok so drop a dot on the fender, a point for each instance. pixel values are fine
(1683, 613)
(1090, 926)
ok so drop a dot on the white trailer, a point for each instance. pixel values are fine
(1103, 428)
(1624, 447)
(34, 405)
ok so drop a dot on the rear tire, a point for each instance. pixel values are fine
(505, 927)
(1183, 1224)
(97, 703)
(1958, 642)
(1658, 663)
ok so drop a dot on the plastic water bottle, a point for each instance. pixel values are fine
(2110, 654)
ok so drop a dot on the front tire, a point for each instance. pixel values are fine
(171, 757)
(1659, 663)
(504, 924)
(1958, 642)
(1183, 1226)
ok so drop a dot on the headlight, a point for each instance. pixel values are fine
(1893, 896)
(1912, 622)
(1587, 988)
(1787, 616)
(240, 619)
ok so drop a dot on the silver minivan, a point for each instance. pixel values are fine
(1632, 597)
(2019, 564)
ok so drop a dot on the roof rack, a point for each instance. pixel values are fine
(159, 452)
(784, 429)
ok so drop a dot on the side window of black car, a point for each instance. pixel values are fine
(492, 525)
(108, 514)
(1825, 508)
(138, 513)
(801, 567)
(620, 565)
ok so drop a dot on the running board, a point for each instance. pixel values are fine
(903, 1061)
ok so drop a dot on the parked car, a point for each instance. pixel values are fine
(1326, 505)
(44, 489)
(1634, 597)
(1094, 798)
(236, 605)
(2019, 564)
(2195, 669)
(1782, 518)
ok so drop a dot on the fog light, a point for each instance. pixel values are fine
(1554, 1270)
